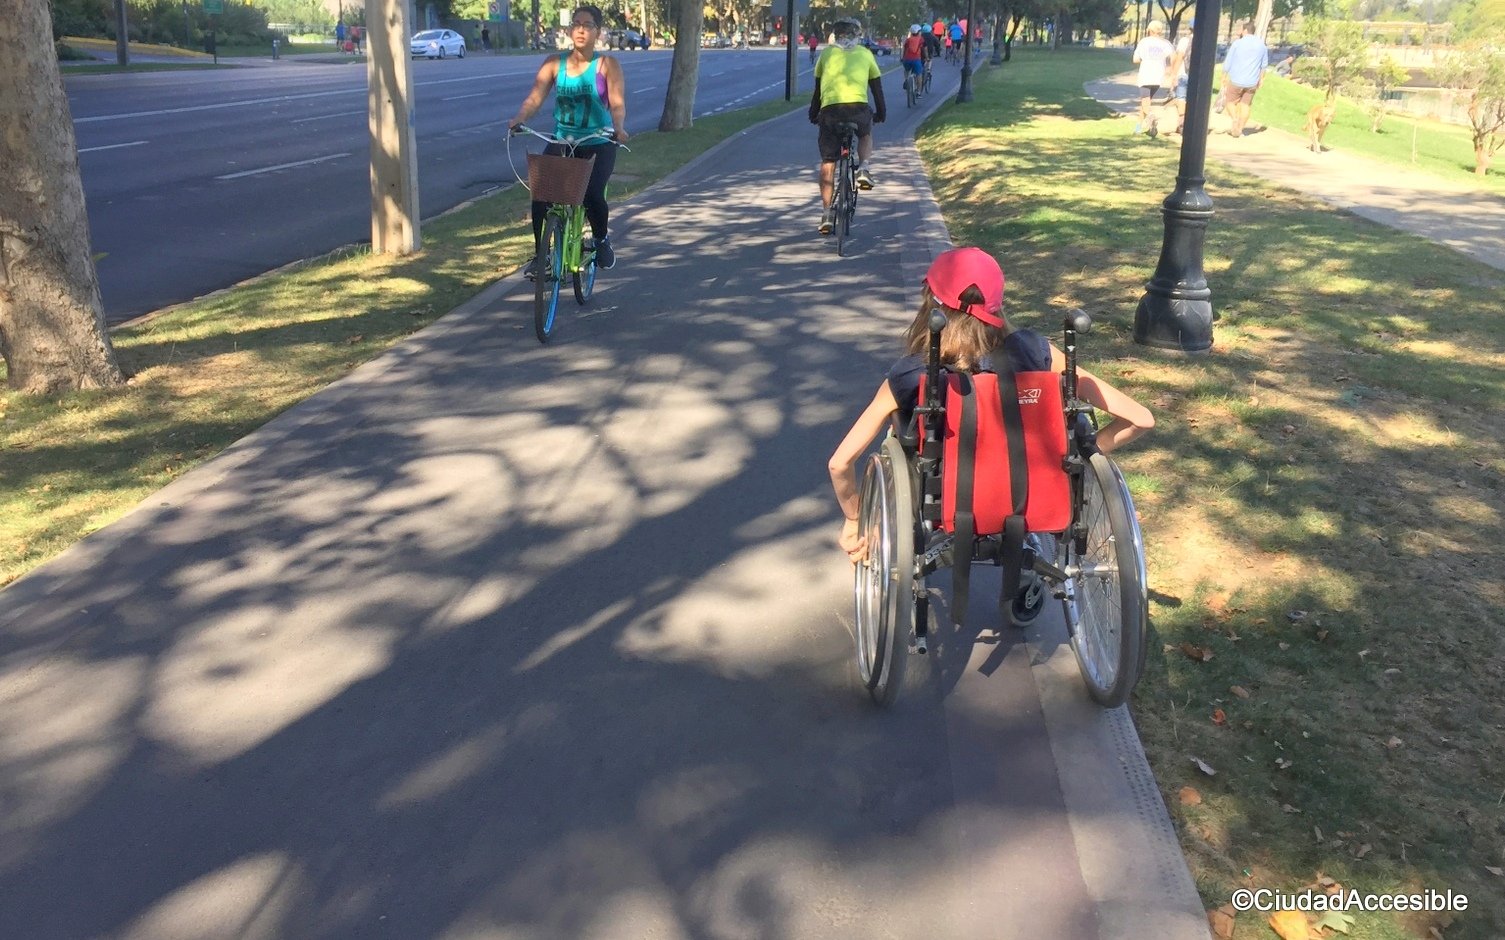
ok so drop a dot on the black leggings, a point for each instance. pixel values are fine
(596, 209)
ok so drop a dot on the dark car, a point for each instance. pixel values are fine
(626, 39)
(877, 47)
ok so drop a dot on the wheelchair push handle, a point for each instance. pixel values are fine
(1076, 321)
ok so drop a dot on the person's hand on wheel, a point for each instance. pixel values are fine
(851, 542)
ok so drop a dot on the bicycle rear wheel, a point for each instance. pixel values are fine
(909, 89)
(548, 277)
(842, 199)
(1106, 603)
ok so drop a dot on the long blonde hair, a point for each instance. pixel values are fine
(965, 339)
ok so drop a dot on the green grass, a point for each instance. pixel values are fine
(1321, 497)
(208, 372)
(1443, 150)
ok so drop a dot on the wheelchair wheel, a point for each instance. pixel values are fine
(883, 582)
(1106, 604)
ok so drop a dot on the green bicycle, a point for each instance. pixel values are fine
(563, 251)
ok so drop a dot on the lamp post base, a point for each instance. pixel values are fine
(1178, 323)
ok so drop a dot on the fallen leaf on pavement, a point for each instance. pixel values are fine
(1394, 742)
(1317, 831)
(1363, 850)
(1190, 797)
(1497, 872)
(1203, 766)
(1282, 763)
(1219, 717)
(1199, 653)
(1221, 922)
(1334, 920)
(1290, 925)
(1239, 690)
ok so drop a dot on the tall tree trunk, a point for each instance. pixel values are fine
(1262, 16)
(52, 325)
(679, 100)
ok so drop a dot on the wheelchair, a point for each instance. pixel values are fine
(1072, 536)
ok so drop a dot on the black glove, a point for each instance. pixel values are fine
(814, 116)
(880, 116)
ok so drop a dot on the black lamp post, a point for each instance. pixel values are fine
(1176, 309)
(964, 93)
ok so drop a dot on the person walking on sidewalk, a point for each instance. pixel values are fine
(1153, 56)
(1243, 71)
(486, 39)
(844, 75)
(590, 100)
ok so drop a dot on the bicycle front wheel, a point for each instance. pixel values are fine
(548, 277)
(883, 579)
(1107, 607)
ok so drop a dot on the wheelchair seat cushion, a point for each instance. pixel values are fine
(1048, 506)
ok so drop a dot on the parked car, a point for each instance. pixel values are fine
(877, 46)
(714, 41)
(627, 39)
(437, 44)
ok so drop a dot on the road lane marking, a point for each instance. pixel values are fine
(134, 143)
(273, 100)
(325, 117)
(477, 94)
(281, 166)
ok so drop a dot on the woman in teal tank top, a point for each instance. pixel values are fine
(590, 100)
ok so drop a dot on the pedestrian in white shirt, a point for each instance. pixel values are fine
(1153, 56)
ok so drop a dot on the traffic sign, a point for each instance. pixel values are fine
(214, 6)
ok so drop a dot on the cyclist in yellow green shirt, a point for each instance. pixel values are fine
(844, 75)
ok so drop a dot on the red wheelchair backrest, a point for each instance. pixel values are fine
(1040, 407)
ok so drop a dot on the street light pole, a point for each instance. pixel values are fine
(964, 93)
(1176, 309)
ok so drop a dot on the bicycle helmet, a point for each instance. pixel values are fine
(847, 26)
(914, 29)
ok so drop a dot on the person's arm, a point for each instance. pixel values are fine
(815, 101)
(616, 83)
(843, 464)
(880, 107)
(1130, 418)
(543, 84)
(1136, 53)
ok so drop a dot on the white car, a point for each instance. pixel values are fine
(437, 44)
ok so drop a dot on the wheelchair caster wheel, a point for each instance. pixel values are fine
(1029, 601)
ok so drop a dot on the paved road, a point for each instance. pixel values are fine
(496, 640)
(196, 180)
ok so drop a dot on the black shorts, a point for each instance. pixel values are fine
(1148, 91)
(834, 114)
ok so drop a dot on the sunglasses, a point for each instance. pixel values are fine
(585, 25)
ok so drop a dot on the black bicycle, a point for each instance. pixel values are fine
(844, 201)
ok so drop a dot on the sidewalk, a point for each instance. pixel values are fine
(494, 639)
(1443, 211)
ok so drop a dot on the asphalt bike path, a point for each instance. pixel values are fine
(494, 639)
(1441, 210)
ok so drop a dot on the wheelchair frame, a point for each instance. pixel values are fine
(1095, 567)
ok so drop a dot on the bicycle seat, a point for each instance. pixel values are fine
(847, 127)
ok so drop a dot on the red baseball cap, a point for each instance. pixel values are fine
(952, 272)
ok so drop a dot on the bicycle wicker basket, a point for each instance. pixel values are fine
(560, 180)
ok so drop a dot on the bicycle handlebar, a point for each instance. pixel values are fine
(610, 137)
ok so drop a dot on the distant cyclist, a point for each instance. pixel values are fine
(590, 100)
(844, 75)
(913, 55)
(814, 42)
(957, 33)
(933, 45)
